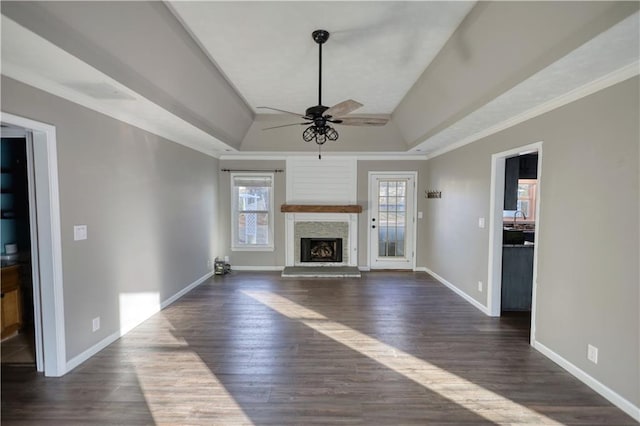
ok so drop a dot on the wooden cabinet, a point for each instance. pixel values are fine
(11, 306)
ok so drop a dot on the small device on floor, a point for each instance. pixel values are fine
(220, 267)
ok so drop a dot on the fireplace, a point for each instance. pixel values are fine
(322, 226)
(321, 250)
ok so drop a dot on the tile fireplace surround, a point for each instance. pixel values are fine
(321, 224)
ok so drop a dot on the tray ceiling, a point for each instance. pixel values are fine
(194, 72)
(375, 53)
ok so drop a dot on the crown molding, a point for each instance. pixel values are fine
(368, 156)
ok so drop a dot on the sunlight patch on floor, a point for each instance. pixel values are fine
(469, 395)
(180, 388)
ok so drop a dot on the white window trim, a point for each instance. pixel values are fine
(262, 247)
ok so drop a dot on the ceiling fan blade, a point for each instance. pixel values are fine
(285, 125)
(361, 121)
(281, 110)
(343, 108)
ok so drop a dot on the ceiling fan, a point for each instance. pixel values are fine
(319, 117)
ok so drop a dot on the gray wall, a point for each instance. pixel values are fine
(277, 257)
(252, 258)
(149, 204)
(588, 247)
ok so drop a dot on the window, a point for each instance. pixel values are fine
(526, 201)
(252, 212)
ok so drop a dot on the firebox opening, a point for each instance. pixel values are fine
(321, 250)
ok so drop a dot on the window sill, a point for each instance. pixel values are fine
(263, 248)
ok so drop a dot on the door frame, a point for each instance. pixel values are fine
(496, 205)
(46, 244)
(414, 193)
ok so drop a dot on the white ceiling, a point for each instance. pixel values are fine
(377, 50)
(375, 53)
(29, 58)
(604, 60)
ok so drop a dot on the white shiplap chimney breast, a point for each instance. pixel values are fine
(332, 180)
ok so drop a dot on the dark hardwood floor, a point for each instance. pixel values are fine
(254, 348)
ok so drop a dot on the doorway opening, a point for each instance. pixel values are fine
(45, 251)
(513, 235)
(18, 325)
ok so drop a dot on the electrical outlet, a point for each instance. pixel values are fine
(210, 264)
(96, 324)
(592, 354)
(481, 222)
(480, 286)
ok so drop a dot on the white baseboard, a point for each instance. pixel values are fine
(459, 292)
(185, 290)
(256, 268)
(421, 269)
(125, 328)
(365, 268)
(594, 384)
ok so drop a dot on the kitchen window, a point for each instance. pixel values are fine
(526, 201)
(252, 212)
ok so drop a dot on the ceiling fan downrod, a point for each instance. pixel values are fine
(320, 37)
(319, 131)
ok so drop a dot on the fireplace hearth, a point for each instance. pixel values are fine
(321, 250)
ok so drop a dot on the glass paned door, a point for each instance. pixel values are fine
(391, 221)
(392, 202)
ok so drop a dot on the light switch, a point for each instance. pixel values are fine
(419, 215)
(79, 232)
(481, 222)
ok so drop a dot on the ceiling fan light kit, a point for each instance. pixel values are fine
(319, 116)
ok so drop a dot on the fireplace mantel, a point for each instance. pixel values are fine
(311, 208)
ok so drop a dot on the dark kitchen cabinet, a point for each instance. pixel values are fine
(517, 277)
(511, 176)
(528, 166)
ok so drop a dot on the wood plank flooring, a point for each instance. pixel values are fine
(390, 348)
